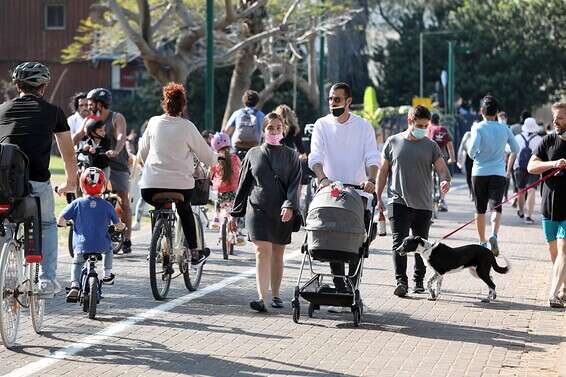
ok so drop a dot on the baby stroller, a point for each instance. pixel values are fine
(336, 232)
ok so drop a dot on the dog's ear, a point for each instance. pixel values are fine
(419, 240)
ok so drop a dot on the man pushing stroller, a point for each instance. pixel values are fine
(344, 149)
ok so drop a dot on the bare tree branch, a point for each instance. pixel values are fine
(166, 14)
(386, 18)
(290, 11)
(145, 21)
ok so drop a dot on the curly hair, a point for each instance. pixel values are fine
(174, 99)
(289, 119)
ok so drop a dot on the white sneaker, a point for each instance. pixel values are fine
(136, 226)
(48, 288)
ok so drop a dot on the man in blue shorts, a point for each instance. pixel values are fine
(550, 155)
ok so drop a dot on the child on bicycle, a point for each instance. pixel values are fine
(91, 216)
(224, 176)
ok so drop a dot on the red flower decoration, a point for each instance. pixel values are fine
(335, 192)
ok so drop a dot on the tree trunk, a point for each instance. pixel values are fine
(246, 60)
(348, 61)
(240, 81)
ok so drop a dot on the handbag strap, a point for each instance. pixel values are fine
(268, 161)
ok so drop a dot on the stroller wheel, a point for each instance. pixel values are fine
(296, 313)
(311, 309)
(357, 312)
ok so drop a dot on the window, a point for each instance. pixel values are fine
(54, 16)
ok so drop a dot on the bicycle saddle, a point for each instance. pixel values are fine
(167, 197)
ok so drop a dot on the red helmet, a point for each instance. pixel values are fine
(93, 181)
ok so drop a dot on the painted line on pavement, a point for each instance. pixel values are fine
(100, 337)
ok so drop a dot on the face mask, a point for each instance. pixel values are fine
(272, 139)
(337, 111)
(503, 121)
(418, 133)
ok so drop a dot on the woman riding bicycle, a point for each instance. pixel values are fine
(167, 151)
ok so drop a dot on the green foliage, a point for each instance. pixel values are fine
(513, 49)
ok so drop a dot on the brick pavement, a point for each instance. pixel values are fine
(217, 335)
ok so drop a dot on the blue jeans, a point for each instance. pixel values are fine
(78, 263)
(44, 191)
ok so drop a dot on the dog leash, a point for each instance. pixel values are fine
(541, 180)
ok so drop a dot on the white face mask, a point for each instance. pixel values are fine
(502, 120)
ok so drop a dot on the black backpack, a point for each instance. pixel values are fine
(14, 175)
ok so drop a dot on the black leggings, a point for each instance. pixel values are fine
(183, 209)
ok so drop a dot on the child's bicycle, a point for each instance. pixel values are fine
(90, 288)
(227, 238)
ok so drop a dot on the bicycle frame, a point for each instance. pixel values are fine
(88, 271)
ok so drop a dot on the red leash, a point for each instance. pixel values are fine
(544, 178)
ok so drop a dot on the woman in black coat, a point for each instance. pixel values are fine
(268, 197)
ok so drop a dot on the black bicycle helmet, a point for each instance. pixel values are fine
(31, 73)
(100, 95)
(92, 124)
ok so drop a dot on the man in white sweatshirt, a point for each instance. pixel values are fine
(344, 149)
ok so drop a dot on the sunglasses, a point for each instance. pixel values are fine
(335, 99)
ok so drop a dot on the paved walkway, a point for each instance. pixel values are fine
(212, 332)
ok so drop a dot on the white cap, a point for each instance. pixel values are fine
(530, 126)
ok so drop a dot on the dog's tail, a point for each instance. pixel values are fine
(498, 268)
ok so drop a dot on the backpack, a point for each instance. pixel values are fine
(14, 176)
(525, 153)
(246, 129)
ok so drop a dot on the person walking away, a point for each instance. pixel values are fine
(91, 216)
(550, 155)
(439, 134)
(488, 141)
(528, 141)
(410, 158)
(465, 162)
(30, 122)
(167, 150)
(244, 125)
(224, 176)
(268, 197)
(344, 149)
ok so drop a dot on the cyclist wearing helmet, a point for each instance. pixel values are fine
(30, 122)
(99, 101)
(91, 216)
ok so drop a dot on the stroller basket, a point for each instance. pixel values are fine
(316, 294)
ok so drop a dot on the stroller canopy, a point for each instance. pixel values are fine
(335, 220)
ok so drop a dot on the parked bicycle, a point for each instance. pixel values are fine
(168, 246)
(19, 270)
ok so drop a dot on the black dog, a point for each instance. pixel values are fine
(443, 258)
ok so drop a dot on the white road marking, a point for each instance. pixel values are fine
(103, 335)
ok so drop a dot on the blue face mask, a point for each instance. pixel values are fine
(418, 133)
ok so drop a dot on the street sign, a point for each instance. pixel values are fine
(444, 78)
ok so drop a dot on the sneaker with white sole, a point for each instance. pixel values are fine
(529, 220)
(494, 246)
(48, 288)
(556, 302)
(136, 226)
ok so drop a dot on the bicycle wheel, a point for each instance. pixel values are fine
(159, 261)
(224, 239)
(36, 305)
(92, 296)
(70, 241)
(192, 274)
(11, 263)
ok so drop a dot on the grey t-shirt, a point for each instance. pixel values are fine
(411, 170)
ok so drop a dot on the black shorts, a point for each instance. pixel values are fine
(488, 188)
(523, 178)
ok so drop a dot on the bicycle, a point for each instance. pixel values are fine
(90, 288)
(227, 238)
(19, 276)
(164, 240)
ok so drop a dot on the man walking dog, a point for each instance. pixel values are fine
(549, 155)
(410, 157)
